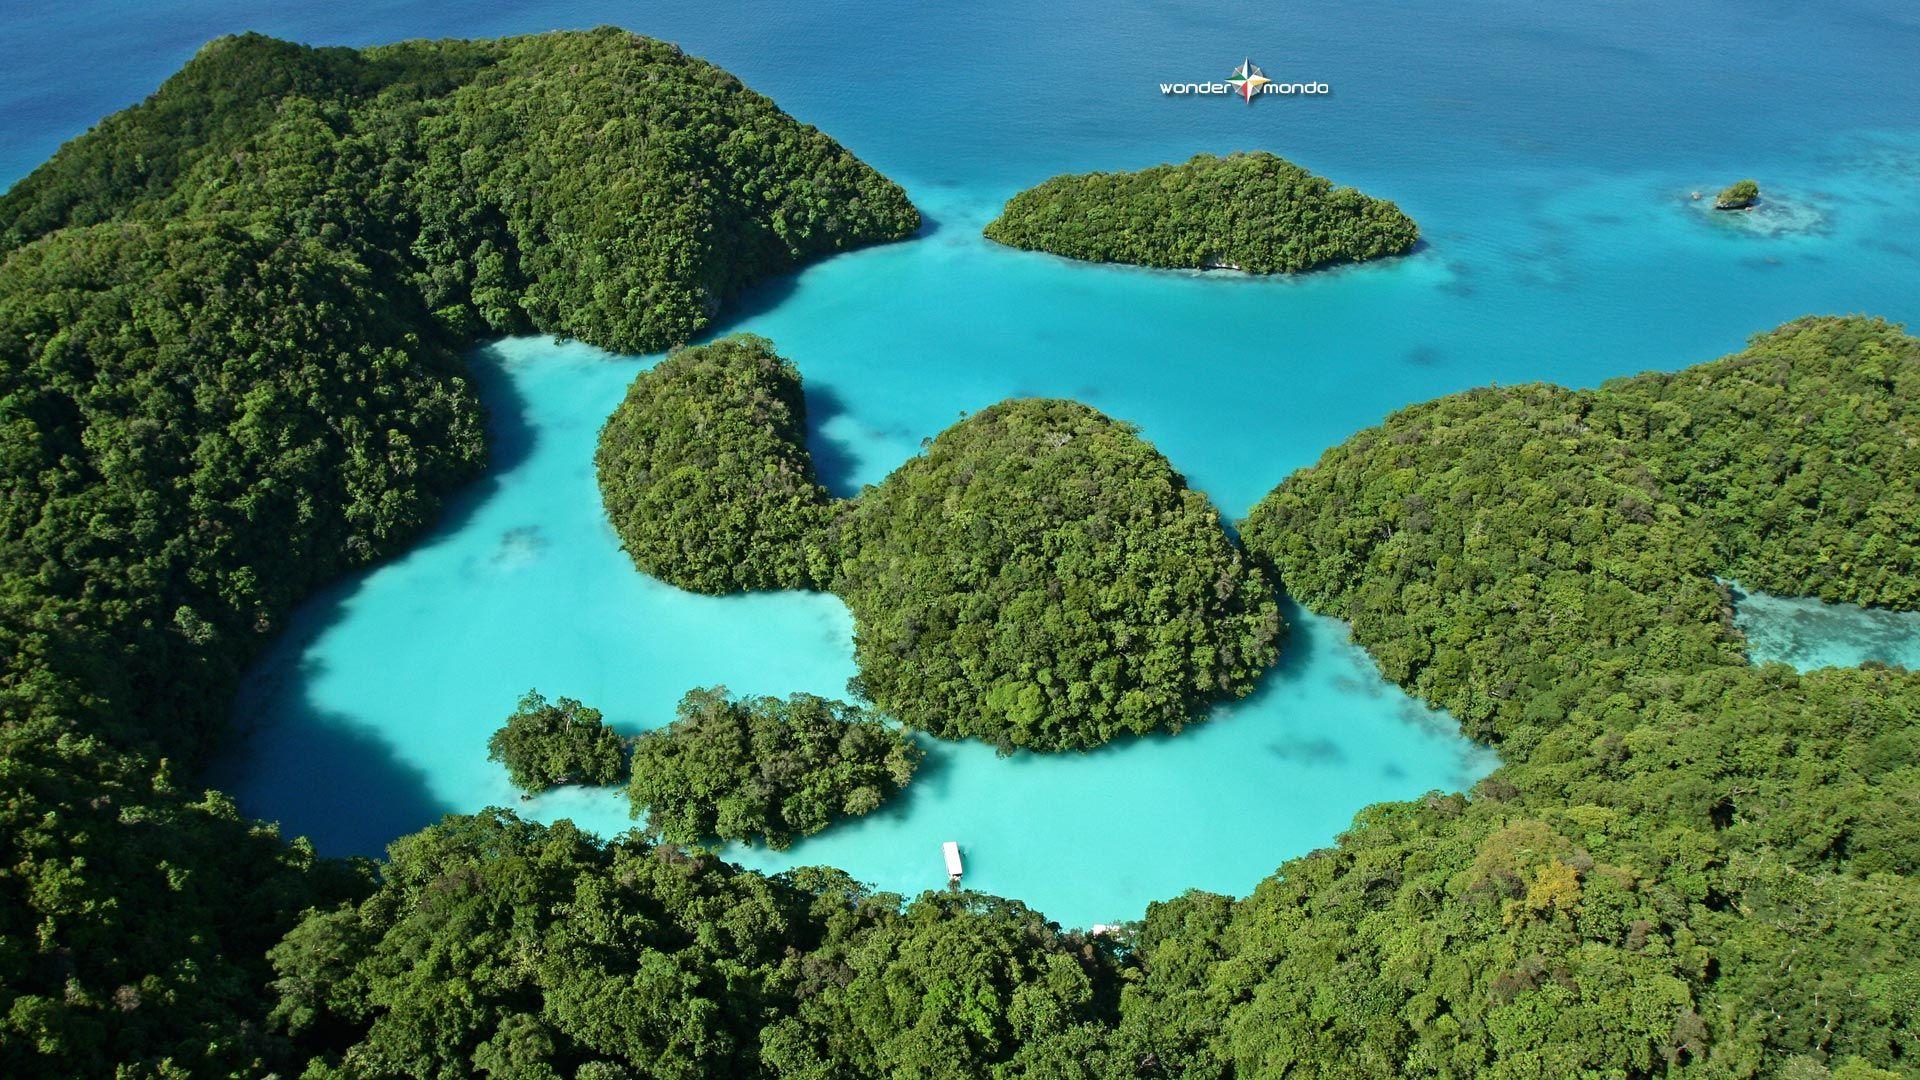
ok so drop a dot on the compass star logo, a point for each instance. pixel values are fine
(1246, 83)
(1247, 80)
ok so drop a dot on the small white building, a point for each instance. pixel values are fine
(951, 849)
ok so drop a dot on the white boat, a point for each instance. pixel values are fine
(951, 849)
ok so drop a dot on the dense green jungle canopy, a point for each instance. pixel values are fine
(764, 769)
(1039, 578)
(594, 185)
(705, 473)
(229, 326)
(1042, 578)
(1253, 212)
(545, 743)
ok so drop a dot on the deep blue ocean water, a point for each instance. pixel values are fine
(1547, 152)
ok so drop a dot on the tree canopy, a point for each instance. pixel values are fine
(597, 184)
(1247, 211)
(544, 744)
(1042, 578)
(230, 320)
(502, 947)
(1684, 857)
(764, 769)
(200, 422)
(1737, 196)
(705, 473)
(1039, 578)
(1508, 552)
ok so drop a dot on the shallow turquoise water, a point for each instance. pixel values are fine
(1546, 151)
(385, 693)
(1810, 633)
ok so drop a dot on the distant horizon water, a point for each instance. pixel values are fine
(1549, 156)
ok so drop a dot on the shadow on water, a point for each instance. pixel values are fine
(358, 795)
(1318, 750)
(353, 795)
(930, 780)
(769, 293)
(509, 434)
(1297, 648)
(1425, 356)
(1809, 633)
(834, 462)
(749, 304)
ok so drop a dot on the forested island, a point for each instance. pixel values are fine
(1254, 212)
(458, 172)
(545, 744)
(1739, 195)
(1039, 578)
(230, 326)
(763, 769)
(215, 396)
(705, 473)
(1735, 841)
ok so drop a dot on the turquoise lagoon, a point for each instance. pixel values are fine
(370, 717)
(1548, 153)
(1810, 633)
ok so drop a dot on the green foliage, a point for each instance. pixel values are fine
(1507, 553)
(959, 986)
(705, 473)
(503, 946)
(227, 326)
(1737, 196)
(539, 950)
(545, 744)
(1688, 864)
(1530, 931)
(596, 185)
(1499, 555)
(765, 769)
(212, 107)
(1789, 453)
(1253, 212)
(135, 912)
(199, 423)
(229, 320)
(1039, 578)
(1042, 578)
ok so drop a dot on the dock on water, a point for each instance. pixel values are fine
(951, 849)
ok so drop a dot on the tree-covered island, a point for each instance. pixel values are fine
(1739, 195)
(705, 473)
(596, 185)
(545, 743)
(1247, 211)
(1039, 578)
(765, 770)
(230, 326)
